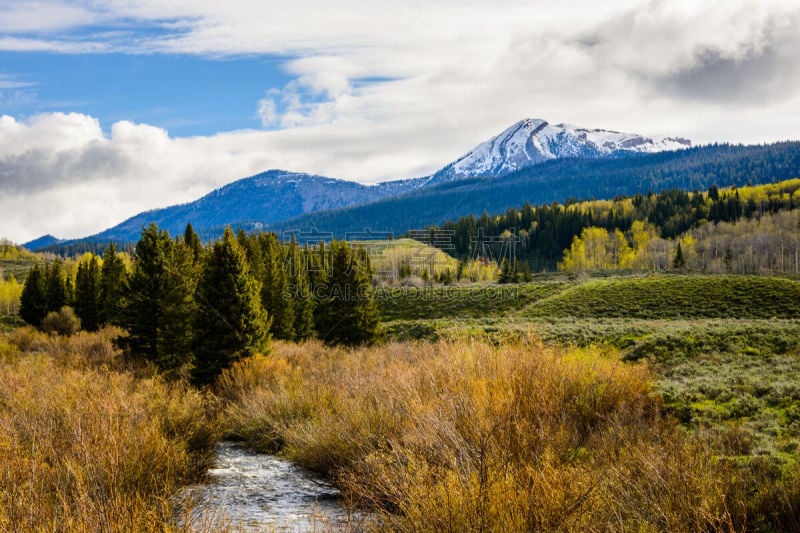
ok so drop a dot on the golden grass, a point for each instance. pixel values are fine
(468, 436)
(88, 446)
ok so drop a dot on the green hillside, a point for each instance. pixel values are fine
(675, 296)
(466, 301)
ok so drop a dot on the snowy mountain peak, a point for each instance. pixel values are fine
(532, 141)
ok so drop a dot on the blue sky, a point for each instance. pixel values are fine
(184, 94)
(112, 107)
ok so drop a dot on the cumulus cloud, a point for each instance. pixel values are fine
(60, 173)
(733, 51)
(391, 88)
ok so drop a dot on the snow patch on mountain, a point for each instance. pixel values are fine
(533, 141)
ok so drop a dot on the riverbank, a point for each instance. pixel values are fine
(469, 435)
(504, 435)
(89, 443)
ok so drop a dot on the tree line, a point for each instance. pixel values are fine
(546, 231)
(192, 308)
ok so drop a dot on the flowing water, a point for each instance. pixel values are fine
(250, 491)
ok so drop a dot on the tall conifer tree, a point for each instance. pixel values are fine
(275, 281)
(33, 301)
(160, 303)
(348, 314)
(300, 291)
(193, 242)
(56, 290)
(230, 323)
(113, 286)
(87, 293)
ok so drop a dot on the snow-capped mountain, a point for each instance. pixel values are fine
(274, 196)
(533, 141)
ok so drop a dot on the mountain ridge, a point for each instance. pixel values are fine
(533, 141)
(274, 196)
(695, 168)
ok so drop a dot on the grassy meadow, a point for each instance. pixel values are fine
(724, 351)
(88, 443)
(572, 403)
(475, 436)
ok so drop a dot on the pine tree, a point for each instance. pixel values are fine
(679, 261)
(159, 303)
(87, 293)
(348, 314)
(526, 272)
(274, 283)
(318, 265)
(179, 307)
(33, 301)
(113, 286)
(193, 242)
(318, 281)
(56, 291)
(230, 322)
(300, 291)
(507, 274)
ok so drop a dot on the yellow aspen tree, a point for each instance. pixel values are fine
(597, 248)
(689, 249)
(625, 255)
(641, 234)
(574, 258)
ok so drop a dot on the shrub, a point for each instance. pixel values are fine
(62, 322)
(87, 448)
(469, 436)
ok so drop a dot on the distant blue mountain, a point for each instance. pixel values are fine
(42, 242)
(558, 180)
(257, 201)
(272, 197)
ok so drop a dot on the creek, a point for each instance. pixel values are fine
(250, 491)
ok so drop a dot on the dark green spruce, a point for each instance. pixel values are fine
(160, 304)
(299, 290)
(113, 286)
(33, 301)
(347, 313)
(87, 293)
(230, 323)
(57, 290)
(274, 288)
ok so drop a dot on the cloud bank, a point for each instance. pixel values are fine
(387, 89)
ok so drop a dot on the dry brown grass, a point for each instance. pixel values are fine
(88, 446)
(468, 436)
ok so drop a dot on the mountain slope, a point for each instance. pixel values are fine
(262, 199)
(42, 242)
(530, 142)
(556, 180)
(276, 196)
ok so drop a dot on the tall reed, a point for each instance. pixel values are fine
(88, 446)
(469, 436)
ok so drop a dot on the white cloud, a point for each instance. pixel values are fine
(60, 174)
(10, 83)
(18, 16)
(25, 44)
(389, 88)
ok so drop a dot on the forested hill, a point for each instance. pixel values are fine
(545, 231)
(559, 180)
(554, 181)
